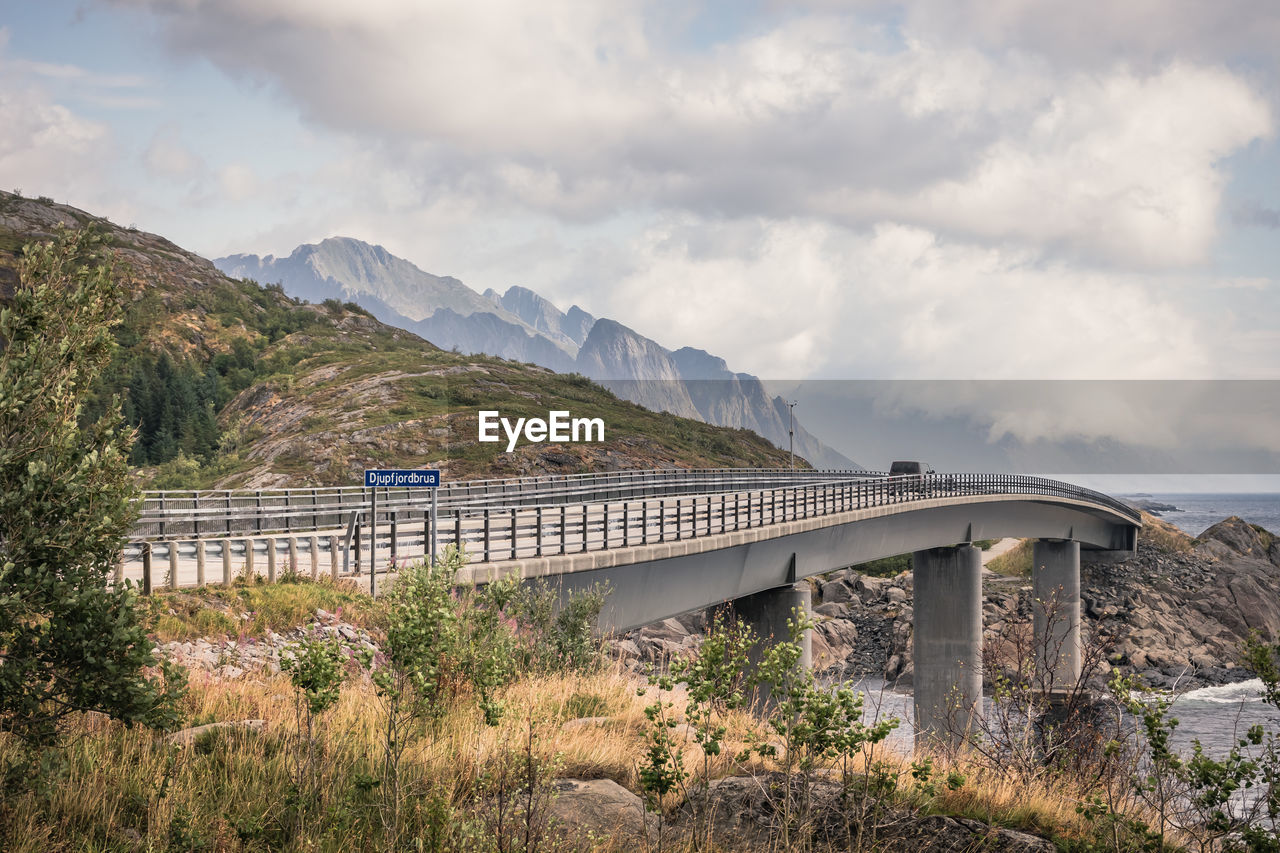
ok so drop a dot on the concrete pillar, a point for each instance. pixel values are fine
(200, 562)
(1055, 590)
(766, 613)
(271, 561)
(226, 562)
(333, 557)
(315, 558)
(173, 565)
(948, 641)
(293, 555)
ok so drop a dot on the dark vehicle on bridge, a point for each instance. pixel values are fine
(918, 469)
(910, 476)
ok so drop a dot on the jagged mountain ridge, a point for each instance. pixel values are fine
(311, 394)
(524, 326)
(570, 326)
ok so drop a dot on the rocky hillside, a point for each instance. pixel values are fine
(523, 326)
(1175, 614)
(232, 384)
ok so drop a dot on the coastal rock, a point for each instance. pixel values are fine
(1175, 613)
(1240, 536)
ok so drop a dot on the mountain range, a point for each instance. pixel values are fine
(227, 384)
(523, 326)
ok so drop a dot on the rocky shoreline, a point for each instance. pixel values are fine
(1175, 614)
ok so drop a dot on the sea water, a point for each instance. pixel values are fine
(1196, 513)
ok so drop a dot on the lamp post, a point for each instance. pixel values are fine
(791, 432)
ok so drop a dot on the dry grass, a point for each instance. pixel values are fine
(127, 789)
(252, 609)
(1161, 535)
(1016, 562)
(234, 789)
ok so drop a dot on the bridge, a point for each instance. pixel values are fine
(667, 542)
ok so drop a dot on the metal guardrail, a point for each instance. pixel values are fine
(519, 519)
(219, 514)
(231, 514)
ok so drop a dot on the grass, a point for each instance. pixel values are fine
(251, 609)
(1016, 562)
(236, 789)
(1163, 536)
(129, 789)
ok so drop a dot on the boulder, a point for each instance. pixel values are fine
(603, 808)
(939, 834)
(1256, 606)
(1240, 536)
(833, 611)
(837, 592)
(870, 589)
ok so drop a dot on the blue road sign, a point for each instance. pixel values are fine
(398, 478)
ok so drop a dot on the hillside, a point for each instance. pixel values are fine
(522, 325)
(233, 384)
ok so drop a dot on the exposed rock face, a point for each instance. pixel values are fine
(605, 809)
(571, 327)
(523, 326)
(1175, 617)
(747, 815)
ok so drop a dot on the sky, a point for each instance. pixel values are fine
(873, 189)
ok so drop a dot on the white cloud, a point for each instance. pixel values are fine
(571, 109)
(1091, 32)
(238, 182)
(897, 302)
(169, 157)
(44, 147)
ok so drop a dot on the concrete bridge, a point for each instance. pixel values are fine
(668, 542)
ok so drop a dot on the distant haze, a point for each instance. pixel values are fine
(1172, 429)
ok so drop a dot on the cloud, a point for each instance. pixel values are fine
(169, 157)
(805, 299)
(238, 182)
(44, 147)
(577, 110)
(1255, 214)
(1092, 32)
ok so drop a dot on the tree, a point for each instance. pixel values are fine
(69, 641)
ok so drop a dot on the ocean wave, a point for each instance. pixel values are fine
(1226, 694)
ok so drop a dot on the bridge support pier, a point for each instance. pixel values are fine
(948, 642)
(1055, 592)
(766, 613)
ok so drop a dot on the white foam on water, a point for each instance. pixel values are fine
(1226, 694)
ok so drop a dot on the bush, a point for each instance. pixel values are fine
(69, 641)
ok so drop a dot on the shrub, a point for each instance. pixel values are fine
(69, 641)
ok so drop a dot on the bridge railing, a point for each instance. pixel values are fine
(507, 524)
(223, 513)
(560, 502)
(517, 532)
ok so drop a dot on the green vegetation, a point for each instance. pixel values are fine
(478, 736)
(251, 609)
(227, 380)
(1016, 562)
(69, 642)
(889, 567)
